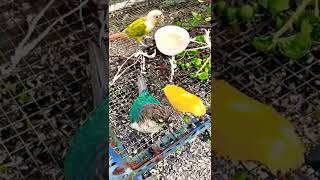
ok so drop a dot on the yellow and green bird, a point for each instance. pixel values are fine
(141, 27)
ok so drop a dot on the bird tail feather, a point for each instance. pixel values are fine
(117, 36)
(141, 82)
(98, 71)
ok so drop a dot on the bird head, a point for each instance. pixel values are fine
(164, 114)
(157, 113)
(155, 16)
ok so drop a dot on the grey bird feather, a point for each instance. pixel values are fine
(99, 81)
(87, 154)
(141, 83)
(98, 71)
(153, 116)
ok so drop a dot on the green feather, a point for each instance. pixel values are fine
(89, 146)
(143, 99)
(137, 29)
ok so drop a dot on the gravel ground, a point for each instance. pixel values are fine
(193, 161)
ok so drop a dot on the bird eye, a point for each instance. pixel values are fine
(157, 16)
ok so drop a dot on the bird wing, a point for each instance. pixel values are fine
(143, 99)
(86, 156)
(137, 28)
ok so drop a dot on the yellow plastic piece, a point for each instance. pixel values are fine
(184, 101)
(245, 129)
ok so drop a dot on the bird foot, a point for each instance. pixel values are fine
(148, 37)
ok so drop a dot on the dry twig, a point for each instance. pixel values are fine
(24, 48)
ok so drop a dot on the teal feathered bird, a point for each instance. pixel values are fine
(87, 155)
(147, 115)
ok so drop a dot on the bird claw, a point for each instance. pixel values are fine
(148, 37)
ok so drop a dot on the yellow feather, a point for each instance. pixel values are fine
(184, 101)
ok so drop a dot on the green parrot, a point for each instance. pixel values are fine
(86, 157)
(147, 115)
(141, 27)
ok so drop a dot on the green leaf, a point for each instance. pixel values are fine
(306, 28)
(183, 66)
(219, 7)
(24, 98)
(263, 3)
(207, 68)
(208, 19)
(231, 14)
(208, 10)
(316, 32)
(186, 119)
(193, 75)
(193, 53)
(203, 76)
(200, 39)
(181, 55)
(206, 56)
(246, 12)
(194, 14)
(196, 61)
(314, 21)
(263, 44)
(276, 6)
(295, 46)
(188, 65)
(279, 22)
(241, 175)
(179, 23)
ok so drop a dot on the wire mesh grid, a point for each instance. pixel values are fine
(291, 87)
(124, 92)
(47, 95)
(171, 9)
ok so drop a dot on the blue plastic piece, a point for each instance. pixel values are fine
(188, 133)
(116, 160)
